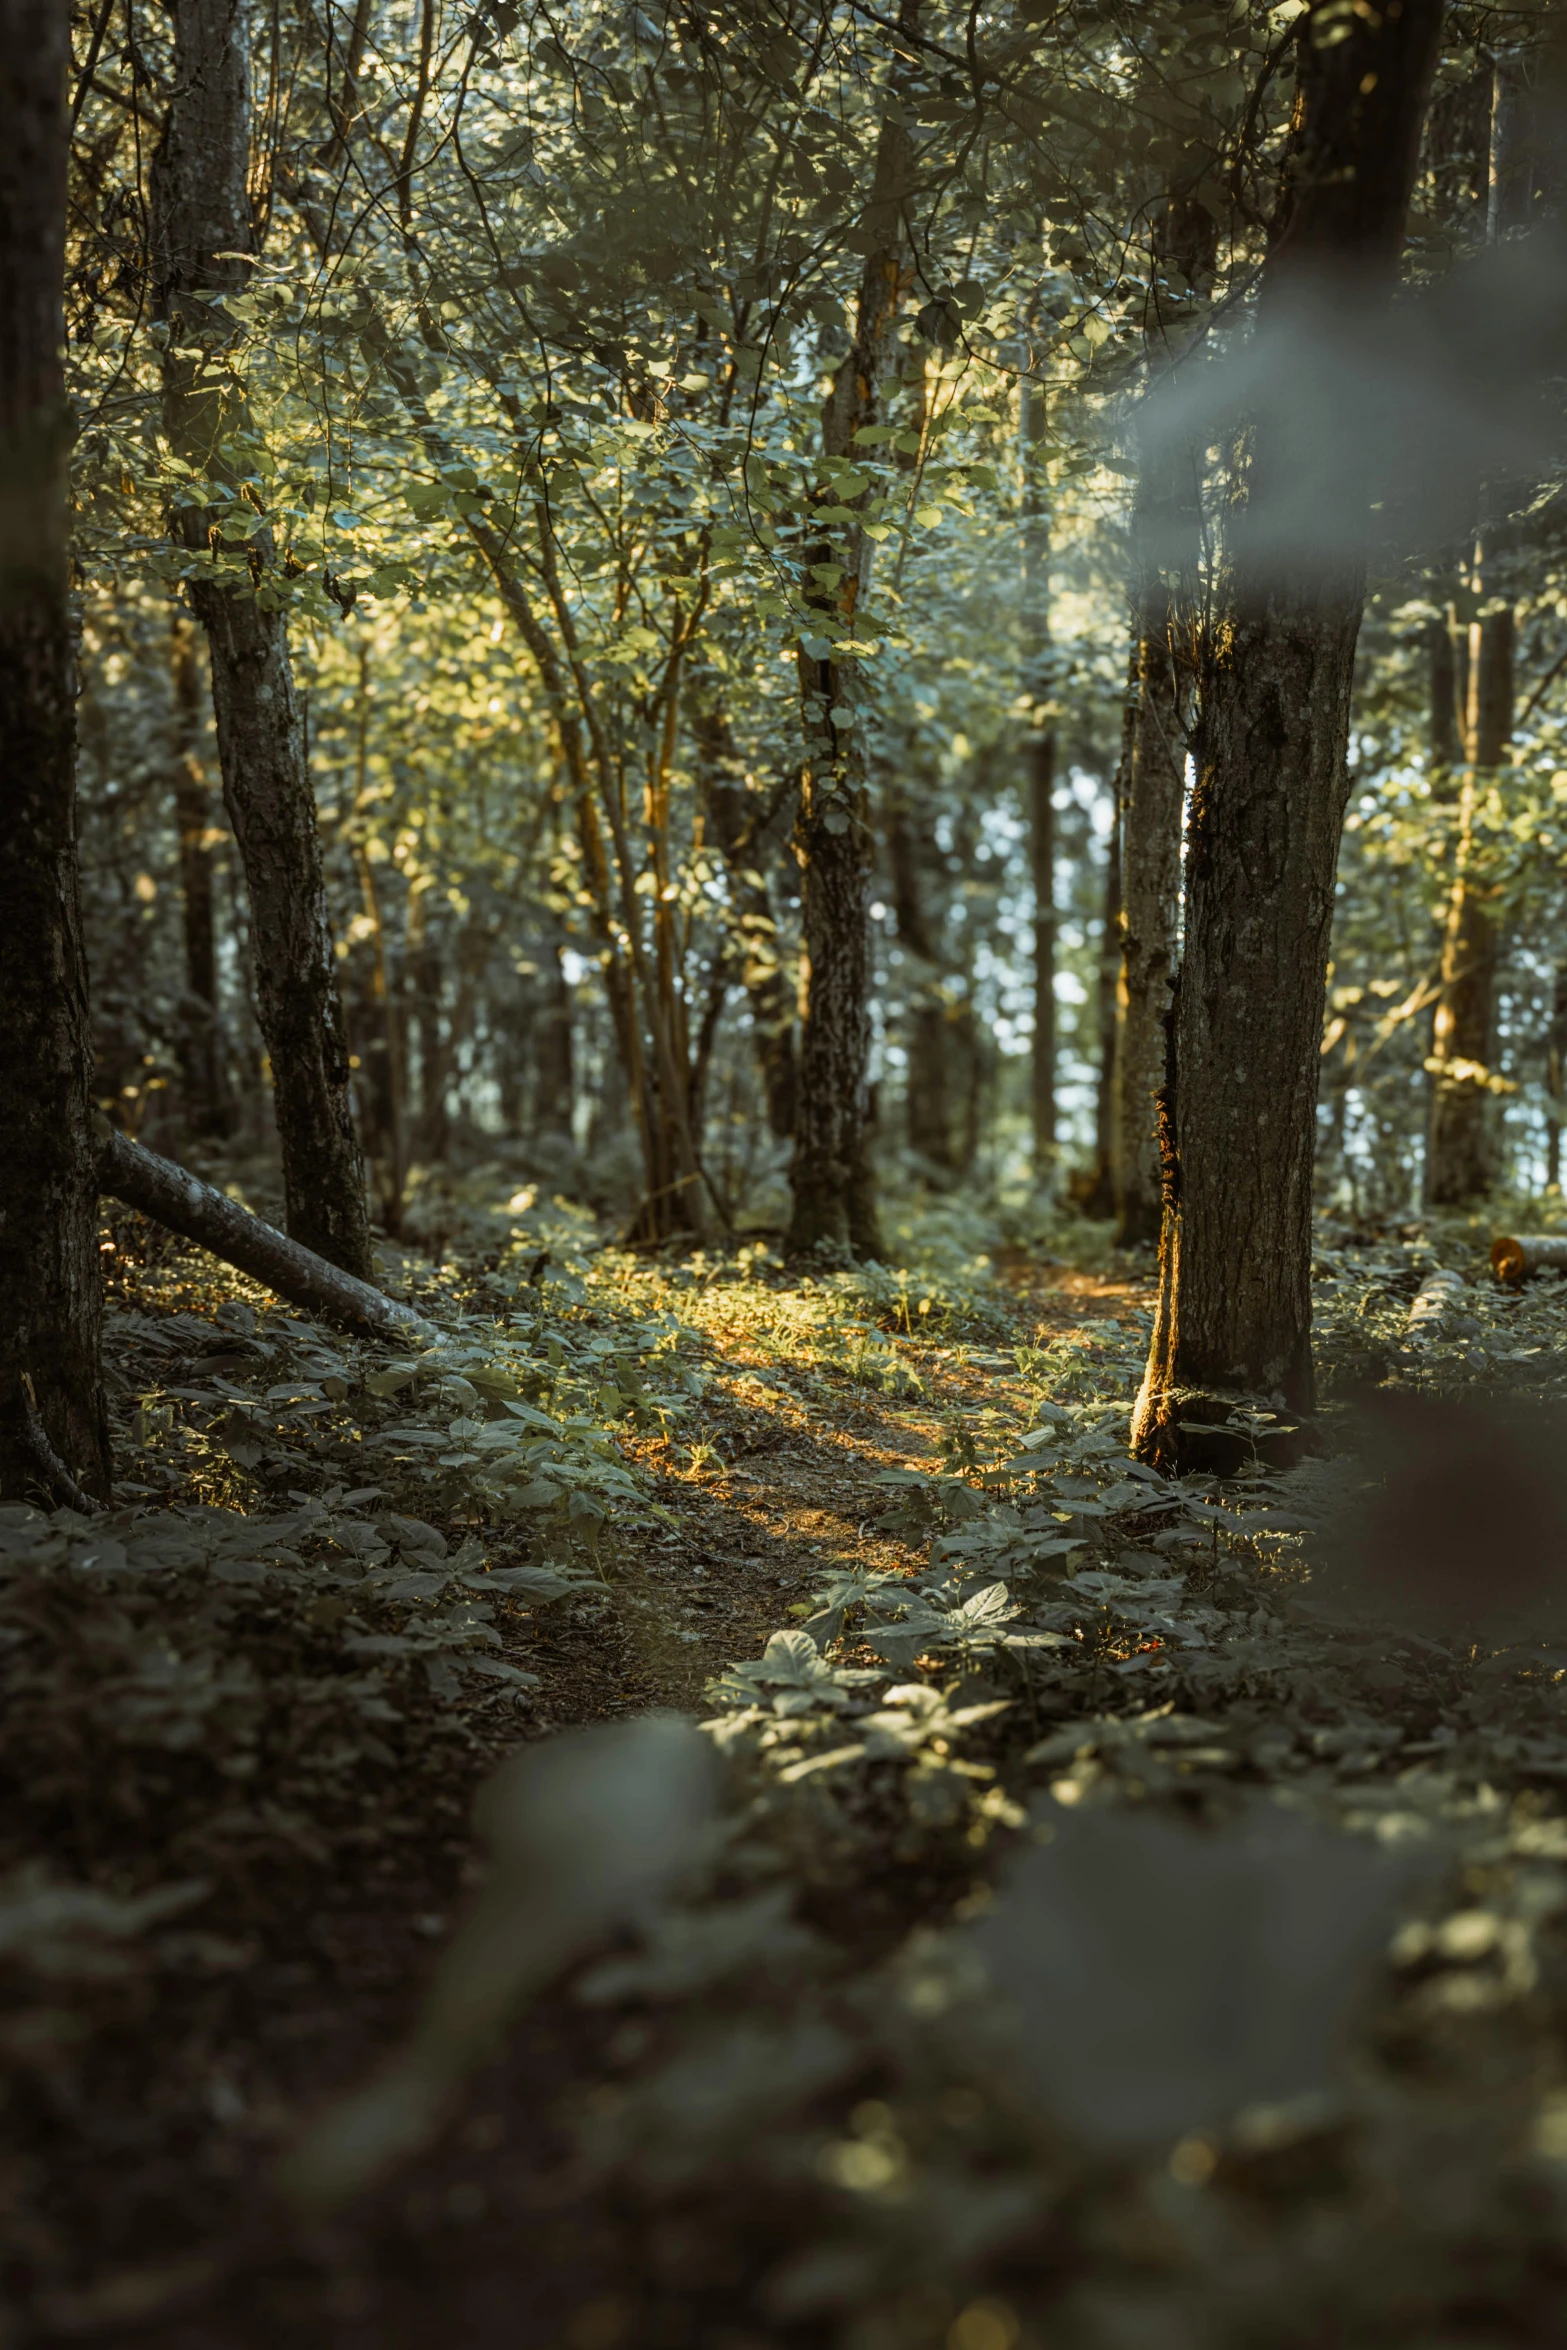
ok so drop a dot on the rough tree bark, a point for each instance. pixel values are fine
(1556, 1079)
(1462, 1161)
(1152, 789)
(931, 1016)
(1238, 1112)
(1463, 1157)
(554, 1052)
(733, 817)
(427, 972)
(1098, 1190)
(201, 211)
(1039, 770)
(204, 1062)
(831, 1176)
(54, 1438)
(1167, 537)
(172, 1196)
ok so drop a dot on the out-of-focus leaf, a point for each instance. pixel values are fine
(584, 1834)
(1165, 1978)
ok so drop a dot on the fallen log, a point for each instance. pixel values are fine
(1515, 1259)
(171, 1195)
(1435, 1294)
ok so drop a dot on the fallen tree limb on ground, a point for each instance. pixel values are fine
(1515, 1259)
(1436, 1293)
(171, 1195)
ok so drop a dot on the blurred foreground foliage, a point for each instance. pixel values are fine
(1139, 1919)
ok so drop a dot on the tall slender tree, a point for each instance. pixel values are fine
(1166, 531)
(207, 1104)
(1461, 1149)
(831, 1175)
(1096, 1188)
(1462, 1143)
(53, 1428)
(1039, 767)
(203, 229)
(734, 817)
(1238, 1112)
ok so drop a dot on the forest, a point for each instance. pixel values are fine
(783, 1269)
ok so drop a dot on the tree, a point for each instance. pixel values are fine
(942, 1046)
(736, 817)
(1039, 765)
(1166, 530)
(208, 1107)
(1461, 1149)
(1462, 1155)
(1238, 1112)
(831, 1175)
(203, 233)
(53, 1427)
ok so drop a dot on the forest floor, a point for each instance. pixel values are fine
(246, 1723)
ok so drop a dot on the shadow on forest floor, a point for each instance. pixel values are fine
(246, 1726)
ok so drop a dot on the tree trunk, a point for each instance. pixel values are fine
(1167, 534)
(732, 815)
(831, 1175)
(930, 1015)
(1098, 1196)
(1448, 698)
(205, 1062)
(1445, 669)
(1238, 1111)
(172, 1196)
(427, 971)
(1039, 773)
(1556, 1078)
(1154, 785)
(929, 1099)
(54, 1438)
(1462, 1160)
(201, 210)
(554, 1061)
(383, 1054)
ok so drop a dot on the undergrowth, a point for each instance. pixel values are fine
(1103, 1913)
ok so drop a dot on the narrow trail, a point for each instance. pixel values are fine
(663, 2143)
(153, 2220)
(789, 1486)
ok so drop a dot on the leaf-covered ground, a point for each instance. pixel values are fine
(1104, 1912)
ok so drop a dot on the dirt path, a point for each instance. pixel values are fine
(790, 1487)
(155, 2223)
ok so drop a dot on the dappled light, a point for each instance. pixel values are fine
(783, 1271)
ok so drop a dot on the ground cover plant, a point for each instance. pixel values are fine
(1087, 1904)
(781, 922)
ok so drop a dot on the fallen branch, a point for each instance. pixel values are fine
(171, 1195)
(60, 1485)
(1514, 1260)
(1436, 1293)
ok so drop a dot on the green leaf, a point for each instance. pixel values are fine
(540, 1495)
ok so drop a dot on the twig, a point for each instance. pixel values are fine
(1554, 671)
(59, 1483)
